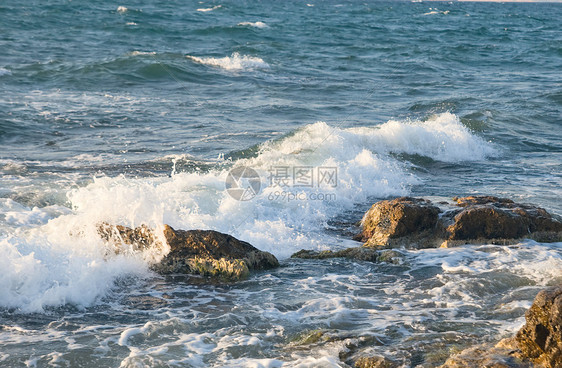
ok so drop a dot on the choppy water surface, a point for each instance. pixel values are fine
(134, 113)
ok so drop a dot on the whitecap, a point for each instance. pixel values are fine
(437, 12)
(142, 53)
(254, 24)
(122, 9)
(209, 9)
(233, 62)
(4, 71)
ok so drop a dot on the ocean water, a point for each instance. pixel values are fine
(135, 112)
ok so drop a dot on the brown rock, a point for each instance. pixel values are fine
(417, 223)
(137, 239)
(485, 217)
(403, 221)
(487, 222)
(540, 339)
(473, 200)
(204, 252)
(359, 253)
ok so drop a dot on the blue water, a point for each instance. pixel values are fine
(134, 112)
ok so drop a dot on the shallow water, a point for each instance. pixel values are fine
(134, 113)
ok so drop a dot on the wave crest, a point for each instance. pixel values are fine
(254, 24)
(233, 62)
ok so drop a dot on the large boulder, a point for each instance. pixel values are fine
(405, 221)
(418, 223)
(203, 252)
(493, 218)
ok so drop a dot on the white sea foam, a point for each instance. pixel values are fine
(436, 12)
(46, 267)
(209, 9)
(463, 269)
(142, 53)
(4, 71)
(254, 24)
(121, 9)
(233, 62)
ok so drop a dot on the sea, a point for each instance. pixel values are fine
(280, 123)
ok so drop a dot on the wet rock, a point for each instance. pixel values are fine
(537, 344)
(203, 252)
(417, 223)
(375, 362)
(359, 253)
(486, 357)
(500, 218)
(405, 221)
(123, 238)
(487, 222)
(474, 200)
(540, 339)
(356, 253)
(309, 337)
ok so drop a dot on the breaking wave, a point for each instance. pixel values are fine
(52, 254)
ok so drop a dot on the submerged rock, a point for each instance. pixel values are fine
(357, 253)
(485, 356)
(417, 223)
(375, 362)
(203, 252)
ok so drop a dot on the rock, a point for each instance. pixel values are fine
(375, 362)
(123, 238)
(485, 357)
(540, 339)
(487, 222)
(309, 337)
(357, 253)
(537, 344)
(473, 200)
(403, 221)
(500, 218)
(417, 223)
(203, 252)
